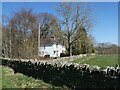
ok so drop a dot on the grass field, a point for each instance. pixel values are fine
(100, 60)
(11, 80)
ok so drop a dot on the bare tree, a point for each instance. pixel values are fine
(73, 19)
(49, 24)
(24, 29)
(5, 37)
(20, 32)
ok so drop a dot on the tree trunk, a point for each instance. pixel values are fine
(69, 47)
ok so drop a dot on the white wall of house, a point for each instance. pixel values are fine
(53, 50)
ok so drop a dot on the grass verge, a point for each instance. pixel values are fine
(18, 80)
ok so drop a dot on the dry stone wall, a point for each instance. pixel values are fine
(72, 75)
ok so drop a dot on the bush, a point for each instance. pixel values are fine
(93, 51)
(64, 54)
(47, 56)
(75, 52)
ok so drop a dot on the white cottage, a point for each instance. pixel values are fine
(52, 48)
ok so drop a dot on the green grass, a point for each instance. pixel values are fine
(18, 80)
(100, 60)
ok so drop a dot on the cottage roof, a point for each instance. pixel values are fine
(49, 41)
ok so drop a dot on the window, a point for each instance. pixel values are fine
(44, 47)
(54, 52)
(57, 52)
(56, 45)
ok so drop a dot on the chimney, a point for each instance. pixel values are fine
(53, 37)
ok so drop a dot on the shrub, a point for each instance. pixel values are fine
(64, 54)
(75, 52)
(47, 56)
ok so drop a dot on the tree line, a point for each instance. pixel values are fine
(107, 48)
(71, 28)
